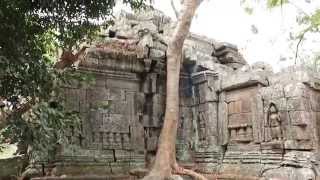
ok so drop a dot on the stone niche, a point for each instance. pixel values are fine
(112, 138)
(271, 124)
(234, 118)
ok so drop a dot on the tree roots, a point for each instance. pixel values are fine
(176, 169)
(182, 171)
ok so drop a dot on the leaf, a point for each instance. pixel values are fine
(315, 19)
(276, 3)
(248, 10)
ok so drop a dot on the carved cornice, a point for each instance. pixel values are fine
(101, 59)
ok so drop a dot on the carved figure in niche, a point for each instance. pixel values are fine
(126, 139)
(181, 126)
(274, 122)
(110, 138)
(118, 139)
(201, 125)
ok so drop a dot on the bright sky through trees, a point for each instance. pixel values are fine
(263, 35)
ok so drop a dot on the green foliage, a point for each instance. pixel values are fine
(248, 10)
(313, 63)
(313, 21)
(315, 18)
(31, 32)
(312, 26)
(41, 129)
(275, 3)
(246, 7)
(309, 24)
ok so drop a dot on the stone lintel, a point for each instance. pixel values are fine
(237, 81)
(201, 77)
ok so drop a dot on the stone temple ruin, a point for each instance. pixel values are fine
(234, 118)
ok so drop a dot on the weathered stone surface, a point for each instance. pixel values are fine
(234, 118)
(239, 80)
(261, 66)
(289, 173)
(10, 167)
(228, 54)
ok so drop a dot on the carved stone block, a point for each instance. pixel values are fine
(157, 54)
(152, 143)
(233, 118)
(240, 120)
(296, 90)
(298, 104)
(300, 118)
(73, 99)
(300, 133)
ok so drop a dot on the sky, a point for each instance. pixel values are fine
(227, 21)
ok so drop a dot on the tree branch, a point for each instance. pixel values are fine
(174, 9)
(301, 36)
(6, 116)
(194, 174)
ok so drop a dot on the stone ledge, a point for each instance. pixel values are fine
(124, 177)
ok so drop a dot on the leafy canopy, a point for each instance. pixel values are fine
(308, 23)
(275, 3)
(31, 31)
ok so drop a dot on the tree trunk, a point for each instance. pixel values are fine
(165, 162)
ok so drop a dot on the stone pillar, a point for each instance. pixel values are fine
(223, 120)
(207, 152)
(206, 108)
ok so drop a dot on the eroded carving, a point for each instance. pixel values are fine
(274, 123)
(231, 119)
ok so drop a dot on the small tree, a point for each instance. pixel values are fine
(165, 162)
(34, 114)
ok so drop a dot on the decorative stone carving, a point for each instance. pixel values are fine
(246, 120)
(274, 122)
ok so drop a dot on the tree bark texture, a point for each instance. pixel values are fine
(165, 162)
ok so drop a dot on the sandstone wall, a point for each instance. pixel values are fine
(234, 118)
